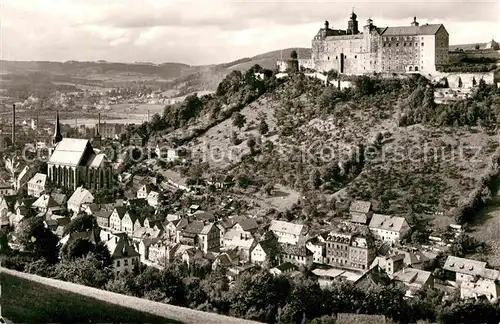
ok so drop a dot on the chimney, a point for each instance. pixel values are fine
(98, 124)
(13, 124)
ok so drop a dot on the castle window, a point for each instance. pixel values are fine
(328, 58)
(404, 44)
(389, 44)
(416, 44)
(384, 44)
(397, 44)
(416, 68)
(355, 56)
(410, 69)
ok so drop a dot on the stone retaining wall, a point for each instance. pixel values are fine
(171, 312)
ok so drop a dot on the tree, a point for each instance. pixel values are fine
(474, 82)
(460, 82)
(76, 248)
(37, 239)
(81, 223)
(87, 270)
(238, 120)
(315, 179)
(263, 127)
(251, 144)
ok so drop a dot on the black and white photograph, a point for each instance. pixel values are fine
(250, 161)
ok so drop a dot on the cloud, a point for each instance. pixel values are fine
(210, 31)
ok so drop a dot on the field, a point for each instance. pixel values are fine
(487, 229)
(24, 301)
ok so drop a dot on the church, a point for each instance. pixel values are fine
(402, 49)
(74, 163)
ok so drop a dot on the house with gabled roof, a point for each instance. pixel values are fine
(123, 253)
(360, 211)
(102, 216)
(36, 185)
(388, 228)
(153, 198)
(287, 232)
(115, 220)
(464, 270)
(80, 197)
(283, 269)
(297, 254)
(144, 191)
(265, 251)
(44, 202)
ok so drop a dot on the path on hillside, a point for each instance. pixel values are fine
(180, 314)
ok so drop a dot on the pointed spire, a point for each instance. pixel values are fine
(57, 130)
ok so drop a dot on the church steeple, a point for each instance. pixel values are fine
(57, 131)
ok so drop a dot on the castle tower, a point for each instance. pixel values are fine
(414, 23)
(57, 130)
(352, 25)
(13, 124)
(327, 25)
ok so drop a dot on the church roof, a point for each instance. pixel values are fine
(426, 29)
(69, 151)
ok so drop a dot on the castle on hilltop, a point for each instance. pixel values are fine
(405, 49)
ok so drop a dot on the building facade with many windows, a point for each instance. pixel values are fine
(404, 49)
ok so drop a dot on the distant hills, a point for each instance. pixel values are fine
(186, 77)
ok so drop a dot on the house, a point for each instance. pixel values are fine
(115, 220)
(317, 246)
(78, 198)
(24, 176)
(144, 191)
(153, 199)
(414, 280)
(59, 198)
(226, 259)
(6, 188)
(389, 264)
(137, 140)
(198, 234)
(174, 181)
(482, 287)
(349, 250)
(464, 270)
(388, 228)
(283, 269)
(264, 252)
(286, 232)
(124, 255)
(296, 254)
(220, 181)
(102, 216)
(127, 224)
(44, 203)
(413, 258)
(143, 248)
(188, 256)
(241, 240)
(360, 211)
(36, 186)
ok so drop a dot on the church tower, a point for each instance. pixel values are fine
(352, 25)
(57, 131)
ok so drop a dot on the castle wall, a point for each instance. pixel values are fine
(442, 47)
(427, 56)
(327, 54)
(401, 54)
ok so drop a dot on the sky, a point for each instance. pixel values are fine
(199, 32)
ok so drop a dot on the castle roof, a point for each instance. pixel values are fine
(427, 29)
